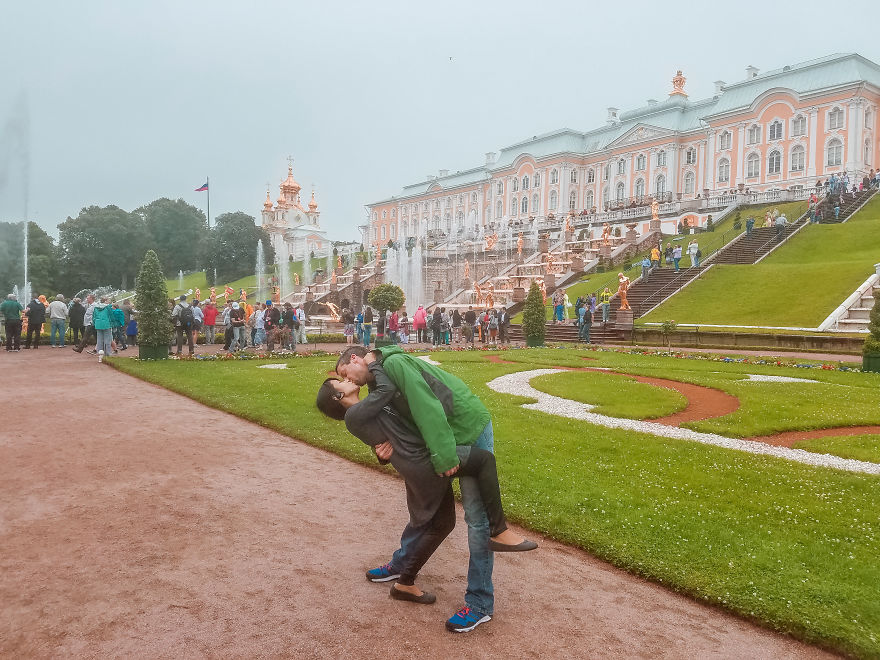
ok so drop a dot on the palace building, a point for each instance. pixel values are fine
(783, 130)
(294, 230)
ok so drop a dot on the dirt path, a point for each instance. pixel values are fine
(138, 523)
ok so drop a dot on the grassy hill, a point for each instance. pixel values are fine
(708, 241)
(798, 285)
(199, 280)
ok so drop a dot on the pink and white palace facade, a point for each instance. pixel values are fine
(772, 136)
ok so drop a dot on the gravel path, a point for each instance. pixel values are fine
(138, 523)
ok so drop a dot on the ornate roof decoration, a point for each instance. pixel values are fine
(678, 84)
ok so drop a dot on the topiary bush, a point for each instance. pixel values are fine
(386, 297)
(151, 301)
(533, 317)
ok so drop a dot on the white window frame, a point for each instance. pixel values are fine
(690, 183)
(554, 200)
(572, 200)
(524, 205)
(514, 205)
(588, 200)
(619, 192)
(591, 175)
(641, 163)
(725, 140)
(661, 158)
(574, 176)
(499, 209)
(724, 170)
(639, 187)
(536, 180)
(754, 135)
(690, 156)
(838, 145)
(536, 203)
(554, 176)
(800, 153)
(753, 165)
(775, 124)
(621, 166)
(515, 184)
(770, 162)
(499, 188)
(660, 189)
(836, 118)
(798, 126)
(525, 182)
(607, 172)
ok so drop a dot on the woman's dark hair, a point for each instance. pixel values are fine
(328, 400)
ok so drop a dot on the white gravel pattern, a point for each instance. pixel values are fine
(759, 378)
(517, 384)
(427, 358)
(281, 365)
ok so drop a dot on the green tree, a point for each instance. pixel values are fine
(101, 246)
(177, 233)
(43, 262)
(386, 297)
(232, 246)
(533, 317)
(151, 302)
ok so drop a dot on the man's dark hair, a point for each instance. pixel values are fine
(345, 358)
(328, 400)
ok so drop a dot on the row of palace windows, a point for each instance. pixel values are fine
(775, 130)
(833, 158)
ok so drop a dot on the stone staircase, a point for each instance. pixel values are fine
(856, 317)
(849, 205)
(646, 293)
(600, 333)
(749, 249)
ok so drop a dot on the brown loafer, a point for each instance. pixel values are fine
(424, 599)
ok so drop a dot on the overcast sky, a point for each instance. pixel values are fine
(118, 102)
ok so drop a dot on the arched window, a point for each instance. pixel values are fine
(393, 231)
(620, 192)
(690, 156)
(525, 182)
(572, 200)
(537, 179)
(536, 203)
(774, 162)
(525, 204)
(835, 119)
(640, 188)
(776, 130)
(498, 210)
(641, 162)
(621, 166)
(513, 206)
(591, 176)
(689, 183)
(553, 200)
(588, 200)
(382, 232)
(554, 176)
(798, 157)
(754, 134)
(753, 165)
(660, 185)
(499, 188)
(384, 214)
(834, 152)
(726, 139)
(661, 159)
(375, 216)
(393, 213)
(723, 171)
(515, 184)
(574, 176)
(798, 126)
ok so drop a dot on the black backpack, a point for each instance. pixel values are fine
(186, 317)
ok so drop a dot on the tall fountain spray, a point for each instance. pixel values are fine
(282, 268)
(331, 265)
(180, 280)
(260, 271)
(405, 269)
(26, 290)
(307, 267)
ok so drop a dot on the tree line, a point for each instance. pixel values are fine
(105, 246)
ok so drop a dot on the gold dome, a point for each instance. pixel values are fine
(289, 185)
(313, 205)
(267, 205)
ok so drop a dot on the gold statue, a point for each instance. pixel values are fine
(606, 233)
(491, 240)
(519, 244)
(655, 209)
(549, 265)
(622, 288)
(478, 294)
(543, 287)
(296, 279)
(338, 261)
(567, 223)
(467, 269)
(213, 294)
(333, 277)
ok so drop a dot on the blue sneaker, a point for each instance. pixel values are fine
(382, 574)
(466, 620)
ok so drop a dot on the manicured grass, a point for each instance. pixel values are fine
(612, 394)
(199, 280)
(792, 546)
(859, 447)
(798, 285)
(708, 242)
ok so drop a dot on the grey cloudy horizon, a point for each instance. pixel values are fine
(122, 103)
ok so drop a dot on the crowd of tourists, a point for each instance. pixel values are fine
(441, 327)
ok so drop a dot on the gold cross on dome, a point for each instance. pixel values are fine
(290, 161)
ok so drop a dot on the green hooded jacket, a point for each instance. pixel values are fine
(443, 408)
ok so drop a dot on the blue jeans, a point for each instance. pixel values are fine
(59, 326)
(368, 332)
(559, 312)
(606, 308)
(675, 260)
(480, 594)
(105, 339)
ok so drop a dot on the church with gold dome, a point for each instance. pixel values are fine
(295, 230)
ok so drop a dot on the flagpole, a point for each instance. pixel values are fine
(208, 183)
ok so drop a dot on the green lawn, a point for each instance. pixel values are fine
(790, 545)
(708, 241)
(199, 280)
(798, 285)
(613, 394)
(859, 447)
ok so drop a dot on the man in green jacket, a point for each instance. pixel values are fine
(10, 310)
(447, 414)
